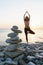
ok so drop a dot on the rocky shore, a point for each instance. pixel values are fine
(18, 53)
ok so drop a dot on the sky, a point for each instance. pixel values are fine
(12, 11)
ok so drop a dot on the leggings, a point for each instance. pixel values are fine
(30, 31)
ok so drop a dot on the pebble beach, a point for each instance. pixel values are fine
(19, 53)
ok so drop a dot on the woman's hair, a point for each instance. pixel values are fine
(26, 18)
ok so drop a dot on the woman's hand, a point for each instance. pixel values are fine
(27, 13)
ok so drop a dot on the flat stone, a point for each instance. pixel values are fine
(13, 54)
(15, 27)
(11, 47)
(2, 63)
(16, 31)
(15, 38)
(37, 55)
(30, 57)
(31, 63)
(41, 47)
(13, 42)
(22, 45)
(2, 48)
(12, 34)
(22, 49)
(1, 54)
(8, 59)
(18, 58)
(1, 59)
(21, 62)
(11, 62)
(41, 54)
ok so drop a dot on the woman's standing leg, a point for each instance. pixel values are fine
(25, 30)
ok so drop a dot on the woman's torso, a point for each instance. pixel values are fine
(26, 24)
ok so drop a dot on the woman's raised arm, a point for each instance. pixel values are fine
(25, 14)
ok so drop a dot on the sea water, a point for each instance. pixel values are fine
(38, 37)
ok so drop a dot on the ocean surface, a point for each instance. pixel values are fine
(38, 37)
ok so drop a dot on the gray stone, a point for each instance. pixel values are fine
(30, 57)
(11, 47)
(21, 62)
(15, 38)
(2, 63)
(41, 47)
(8, 59)
(13, 42)
(31, 63)
(1, 59)
(41, 54)
(38, 51)
(18, 58)
(37, 55)
(12, 34)
(1, 54)
(11, 62)
(15, 27)
(16, 31)
(22, 49)
(13, 54)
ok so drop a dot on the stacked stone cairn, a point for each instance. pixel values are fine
(12, 50)
(16, 52)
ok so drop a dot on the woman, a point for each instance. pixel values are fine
(27, 27)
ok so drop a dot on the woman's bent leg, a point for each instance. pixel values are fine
(31, 32)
